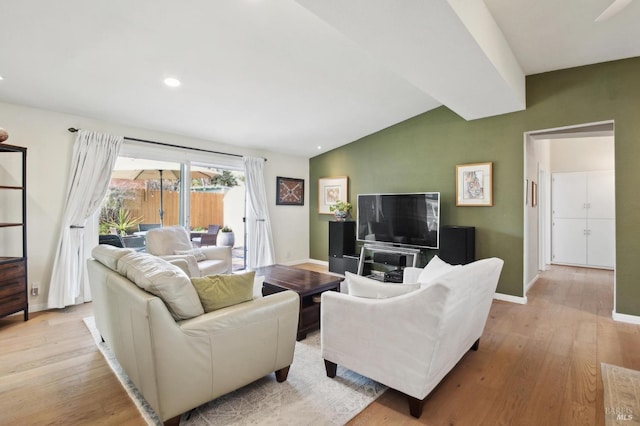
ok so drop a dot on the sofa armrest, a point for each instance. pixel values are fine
(192, 263)
(248, 340)
(182, 264)
(217, 253)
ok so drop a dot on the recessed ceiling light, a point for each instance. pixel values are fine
(319, 147)
(172, 82)
(1, 77)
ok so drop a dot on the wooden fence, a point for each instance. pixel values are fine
(206, 207)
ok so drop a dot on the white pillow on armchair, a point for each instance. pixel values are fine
(366, 287)
(434, 269)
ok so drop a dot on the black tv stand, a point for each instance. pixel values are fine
(388, 255)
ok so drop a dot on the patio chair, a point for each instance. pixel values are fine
(208, 239)
(146, 226)
(111, 239)
(136, 242)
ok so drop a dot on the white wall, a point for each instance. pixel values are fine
(582, 154)
(537, 154)
(50, 148)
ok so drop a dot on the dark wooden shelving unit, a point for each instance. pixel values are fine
(13, 262)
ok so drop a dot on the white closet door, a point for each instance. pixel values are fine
(601, 194)
(569, 237)
(569, 195)
(601, 243)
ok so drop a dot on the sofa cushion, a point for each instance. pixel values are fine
(434, 269)
(108, 255)
(196, 252)
(220, 291)
(162, 279)
(366, 287)
(163, 241)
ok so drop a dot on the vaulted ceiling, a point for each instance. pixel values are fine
(291, 76)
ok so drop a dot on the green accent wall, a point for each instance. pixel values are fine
(421, 154)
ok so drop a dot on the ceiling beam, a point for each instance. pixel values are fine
(452, 50)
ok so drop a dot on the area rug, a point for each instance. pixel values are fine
(621, 395)
(308, 397)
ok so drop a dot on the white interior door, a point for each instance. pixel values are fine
(601, 194)
(569, 241)
(569, 195)
(601, 243)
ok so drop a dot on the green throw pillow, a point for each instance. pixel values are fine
(220, 291)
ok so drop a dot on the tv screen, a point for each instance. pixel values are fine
(411, 219)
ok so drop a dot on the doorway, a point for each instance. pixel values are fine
(587, 147)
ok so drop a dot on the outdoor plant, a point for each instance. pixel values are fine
(226, 229)
(225, 179)
(123, 222)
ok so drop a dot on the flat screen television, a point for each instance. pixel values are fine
(411, 219)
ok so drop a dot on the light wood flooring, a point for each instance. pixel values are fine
(538, 364)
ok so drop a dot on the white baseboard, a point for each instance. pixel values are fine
(37, 307)
(531, 283)
(510, 298)
(300, 261)
(318, 262)
(631, 319)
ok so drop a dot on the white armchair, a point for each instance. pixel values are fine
(173, 242)
(411, 341)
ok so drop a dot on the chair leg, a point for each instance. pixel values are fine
(476, 345)
(281, 375)
(331, 368)
(415, 406)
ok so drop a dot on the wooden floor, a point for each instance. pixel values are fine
(538, 364)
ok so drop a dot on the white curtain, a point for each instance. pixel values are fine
(94, 156)
(259, 238)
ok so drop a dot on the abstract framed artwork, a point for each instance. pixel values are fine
(474, 184)
(289, 191)
(330, 191)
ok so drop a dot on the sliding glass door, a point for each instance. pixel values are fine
(208, 200)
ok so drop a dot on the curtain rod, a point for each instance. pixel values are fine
(74, 130)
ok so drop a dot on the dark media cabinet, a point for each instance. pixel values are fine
(386, 262)
(342, 243)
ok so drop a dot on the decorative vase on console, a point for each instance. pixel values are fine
(341, 210)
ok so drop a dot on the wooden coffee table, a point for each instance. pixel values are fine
(307, 284)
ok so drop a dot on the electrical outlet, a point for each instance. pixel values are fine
(34, 289)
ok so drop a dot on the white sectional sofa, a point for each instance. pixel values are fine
(176, 355)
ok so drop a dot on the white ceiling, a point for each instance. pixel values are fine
(289, 76)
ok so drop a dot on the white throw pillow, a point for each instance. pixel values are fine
(163, 241)
(372, 289)
(434, 269)
(162, 279)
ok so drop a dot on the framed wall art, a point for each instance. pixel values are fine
(330, 191)
(289, 191)
(474, 184)
(534, 194)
